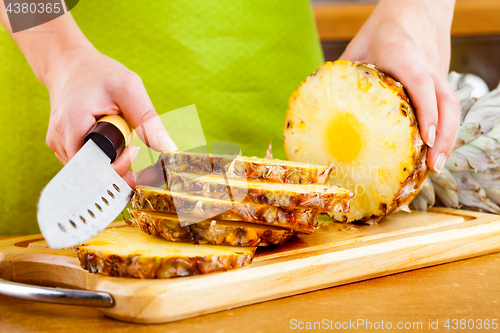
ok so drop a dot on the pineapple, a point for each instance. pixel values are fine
(198, 209)
(245, 167)
(471, 177)
(361, 120)
(216, 232)
(289, 196)
(128, 252)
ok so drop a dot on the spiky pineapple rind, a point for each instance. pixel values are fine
(317, 197)
(127, 252)
(299, 220)
(245, 167)
(410, 186)
(415, 180)
(409, 190)
(135, 266)
(206, 232)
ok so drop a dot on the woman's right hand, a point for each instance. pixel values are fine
(85, 85)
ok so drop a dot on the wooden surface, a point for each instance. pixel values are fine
(326, 258)
(342, 21)
(466, 289)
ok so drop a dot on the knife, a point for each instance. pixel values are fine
(87, 194)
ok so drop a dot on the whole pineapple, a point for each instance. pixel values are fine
(471, 177)
(359, 119)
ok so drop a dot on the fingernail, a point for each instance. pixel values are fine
(134, 153)
(439, 164)
(165, 142)
(431, 135)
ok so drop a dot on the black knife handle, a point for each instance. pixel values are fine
(111, 134)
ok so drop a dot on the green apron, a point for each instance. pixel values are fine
(237, 61)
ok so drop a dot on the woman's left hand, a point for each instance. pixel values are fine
(410, 40)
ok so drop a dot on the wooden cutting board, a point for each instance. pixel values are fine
(335, 254)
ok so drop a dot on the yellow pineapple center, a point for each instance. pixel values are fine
(344, 139)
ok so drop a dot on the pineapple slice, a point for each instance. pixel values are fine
(200, 208)
(216, 232)
(245, 167)
(322, 198)
(128, 252)
(354, 116)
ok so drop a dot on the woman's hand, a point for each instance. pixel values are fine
(85, 85)
(410, 40)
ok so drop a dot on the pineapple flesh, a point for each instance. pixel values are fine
(201, 208)
(289, 196)
(245, 167)
(216, 232)
(128, 252)
(359, 119)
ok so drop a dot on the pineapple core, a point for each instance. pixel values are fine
(344, 139)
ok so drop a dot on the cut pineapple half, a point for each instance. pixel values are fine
(216, 232)
(245, 167)
(356, 117)
(322, 198)
(196, 209)
(128, 252)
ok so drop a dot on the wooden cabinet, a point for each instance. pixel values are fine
(475, 33)
(341, 20)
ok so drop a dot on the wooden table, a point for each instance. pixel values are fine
(467, 289)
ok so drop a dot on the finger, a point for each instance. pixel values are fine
(72, 128)
(61, 158)
(133, 100)
(61, 153)
(76, 130)
(357, 49)
(448, 125)
(127, 157)
(151, 176)
(129, 178)
(421, 90)
(54, 142)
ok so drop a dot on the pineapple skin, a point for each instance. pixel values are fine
(245, 167)
(299, 220)
(324, 201)
(134, 266)
(413, 183)
(206, 233)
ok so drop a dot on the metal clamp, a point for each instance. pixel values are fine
(56, 295)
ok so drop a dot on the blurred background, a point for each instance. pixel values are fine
(475, 43)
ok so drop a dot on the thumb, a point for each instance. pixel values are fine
(135, 104)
